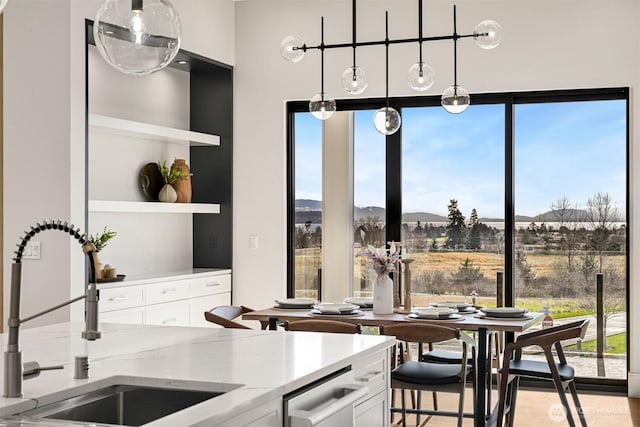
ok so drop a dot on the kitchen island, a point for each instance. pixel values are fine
(254, 369)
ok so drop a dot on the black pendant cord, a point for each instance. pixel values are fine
(322, 58)
(455, 53)
(420, 33)
(386, 35)
(353, 35)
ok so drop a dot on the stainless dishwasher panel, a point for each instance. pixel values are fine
(327, 404)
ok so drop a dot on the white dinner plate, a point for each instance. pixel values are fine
(314, 313)
(434, 312)
(362, 302)
(460, 306)
(331, 308)
(450, 318)
(504, 312)
(295, 303)
(524, 316)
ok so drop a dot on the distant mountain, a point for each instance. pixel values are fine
(308, 210)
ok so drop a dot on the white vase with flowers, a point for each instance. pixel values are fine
(383, 261)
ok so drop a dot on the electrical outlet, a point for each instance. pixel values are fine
(32, 250)
(253, 242)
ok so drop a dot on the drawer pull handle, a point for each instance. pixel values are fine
(212, 284)
(168, 290)
(120, 298)
(164, 322)
(371, 376)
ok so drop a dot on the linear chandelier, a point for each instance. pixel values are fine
(455, 99)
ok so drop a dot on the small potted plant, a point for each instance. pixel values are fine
(100, 240)
(170, 175)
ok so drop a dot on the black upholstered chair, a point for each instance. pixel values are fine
(427, 376)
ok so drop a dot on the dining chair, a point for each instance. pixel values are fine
(224, 315)
(320, 325)
(448, 357)
(418, 375)
(557, 370)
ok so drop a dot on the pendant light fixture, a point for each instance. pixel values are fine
(321, 105)
(3, 3)
(454, 99)
(421, 76)
(354, 80)
(387, 120)
(137, 36)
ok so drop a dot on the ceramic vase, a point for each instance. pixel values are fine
(168, 194)
(182, 186)
(383, 295)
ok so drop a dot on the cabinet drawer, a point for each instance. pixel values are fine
(119, 298)
(128, 315)
(167, 291)
(168, 314)
(373, 372)
(210, 285)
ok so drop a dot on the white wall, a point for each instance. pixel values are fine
(44, 132)
(546, 45)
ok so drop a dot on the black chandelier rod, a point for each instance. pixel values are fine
(353, 31)
(386, 34)
(384, 42)
(419, 31)
(455, 52)
(321, 47)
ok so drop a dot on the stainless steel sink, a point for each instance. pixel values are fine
(124, 404)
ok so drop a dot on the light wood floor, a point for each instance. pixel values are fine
(536, 409)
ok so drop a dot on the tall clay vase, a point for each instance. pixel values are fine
(383, 295)
(182, 186)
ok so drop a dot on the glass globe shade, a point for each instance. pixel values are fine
(387, 120)
(322, 106)
(137, 42)
(290, 48)
(354, 80)
(487, 34)
(455, 99)
(421, 76)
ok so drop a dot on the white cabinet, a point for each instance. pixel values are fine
(267, 415)
(178, 302)
(373, 371)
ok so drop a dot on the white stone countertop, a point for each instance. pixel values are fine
(266, 364)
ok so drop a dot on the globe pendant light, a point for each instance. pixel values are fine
(455, 99)
(321, 105)
(292, 48)
(3, 3)
(137, 36)
(488, 34)
(421, 76)
(354, 79)
(387, 120)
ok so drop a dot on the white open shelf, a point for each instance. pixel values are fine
(118, 126)
(152, 207)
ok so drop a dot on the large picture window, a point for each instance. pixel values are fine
(521, 200)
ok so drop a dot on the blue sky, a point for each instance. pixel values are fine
(562, 149)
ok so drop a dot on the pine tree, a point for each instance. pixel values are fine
(456, 228)
(475, 232)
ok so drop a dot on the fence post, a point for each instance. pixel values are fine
(600, 336)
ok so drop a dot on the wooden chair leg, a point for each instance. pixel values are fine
(576, 401)
(565, 403)
(512, 404)
(404, 409)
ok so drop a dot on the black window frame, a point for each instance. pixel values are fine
(394, 185)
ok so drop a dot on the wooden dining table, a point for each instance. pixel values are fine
(467, 321)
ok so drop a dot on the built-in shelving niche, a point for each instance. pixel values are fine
(210, 140)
